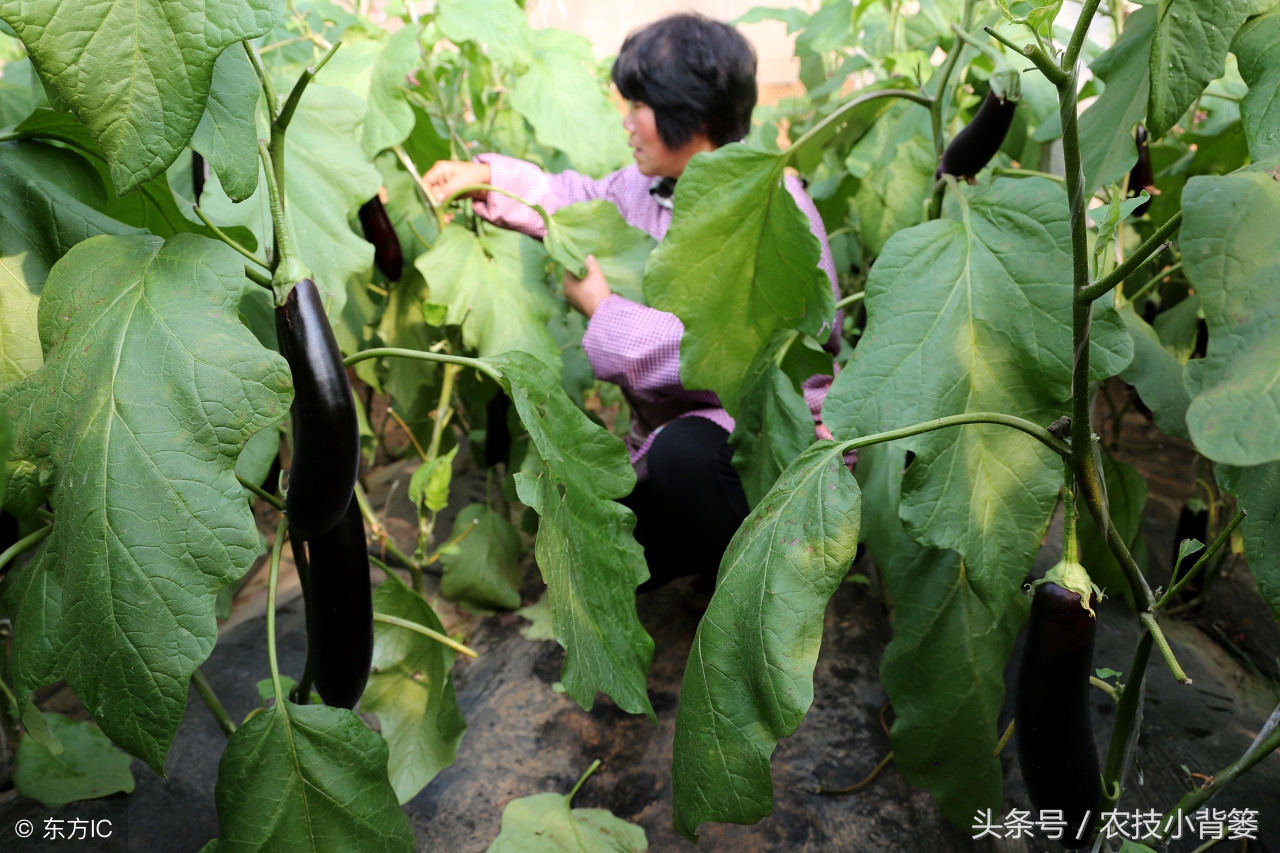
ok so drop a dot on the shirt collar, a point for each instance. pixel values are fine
(663, 190)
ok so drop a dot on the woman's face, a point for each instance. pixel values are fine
(653, 157)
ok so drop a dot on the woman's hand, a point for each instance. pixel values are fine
(446, 177)
(585, 294)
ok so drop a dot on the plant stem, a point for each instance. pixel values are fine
(1042, 60)
(1153, 281)
(1208, 553)
(422, 355)
(224, 237)
(1089, 7)
(938, 104)
(1123, 735)
(475, 522)
(832, 123)
(1026, 173)
(1105, 688)
(288, 267)
(1153, 627)
(273, 580)
(264, 79)
(388, 544)
(986, 49)
(1005, 738)
(427, 199)
(282, 120)
(262, 493)
(28, 541)
(426, 632)
(443, 410)
(583, 779)
(211, 702)
(1037, 432)
(859, 785)
(301, 693)
(1140, 256)
(258, 278)
(851, 299)
(1267, 742)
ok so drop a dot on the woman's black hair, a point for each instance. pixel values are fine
(696, 74)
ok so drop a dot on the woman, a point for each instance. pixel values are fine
(690, 83)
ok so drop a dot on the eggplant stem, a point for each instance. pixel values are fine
(442, 639)
(856, 786)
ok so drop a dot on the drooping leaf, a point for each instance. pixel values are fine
(88, 768)
(227, 135)
(1231, 256)
(1189, 48)
(560, 97)
(1126, 493)
(411, 691)
(494, 288)
(749, 678)
(499, 25)
(39, 222)
(1257, 47)
(938, 342)
(321, 199)
(597, 228)
(738, 262)
(485, 572)
(307, 778)
(1107, 150)
(376, 72)
(136, 72)
(1157, 375)
(585, 548)
(1258, 490)
(774, 425)
(545, 823)
(150, 388)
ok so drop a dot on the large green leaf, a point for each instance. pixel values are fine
(894, 163)
(774, 425)
(622, 250)
(6, 445)
(494, 288)
(307, 778)
(1258, 489)
(544, 823)
(150, 387)
(411, 691)
(88, 767)
(749, 679)
(136, 72)
(585, 548)
(737, 263)
(227, 135)
(965, 314)
(1257, 47)
(1157, 374)
(1107, 150)
(1188, 50)
(484, 573)
(376, 71)
(321, 198)
(1231, 255)
(39, 222)
(560, 97)
(500, 25)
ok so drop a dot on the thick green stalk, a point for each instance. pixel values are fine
(829, 125)
(422, 355)
(1139, 257)
(1036, 431)
(1122, 734)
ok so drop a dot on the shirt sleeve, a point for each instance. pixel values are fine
(636, 347)
(815, 388)
(535, 186)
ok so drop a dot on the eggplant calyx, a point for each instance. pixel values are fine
(1073, 577)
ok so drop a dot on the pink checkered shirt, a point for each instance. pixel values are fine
(632, 345)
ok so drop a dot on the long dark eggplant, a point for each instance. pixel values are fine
(497, 436)
(1054, 731)
(326, 435)
(975, 145)
(340, 610)
(378, 230)
(1141, 176)
(199, 174)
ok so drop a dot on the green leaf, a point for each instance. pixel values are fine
(1157, 375)
(1127, 846)
(376, 72)
(1188, 50)
(500, 25)
(1258, 490)
(738, 262)
(411, 691)
(1257, 47)
(1126, 494)
(39, 222)
(429, 486)
(37, 728)
(1178, 327)
(774, 425)
(321, 200)
(749, 679)
(88, 768)
(150, 388)
(939, 341)
(544, 823)
(485, 572)
(227, 135)
(307, 778)
(597, 228)
(585, 548)
(136, 72)
(539, 616)
(560, 96)
(494, 288)
(895, 163)
(6, 444)
(1107, 150)
(1231, 256)
(259, 454)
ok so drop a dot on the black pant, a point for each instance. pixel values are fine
(691, 504)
